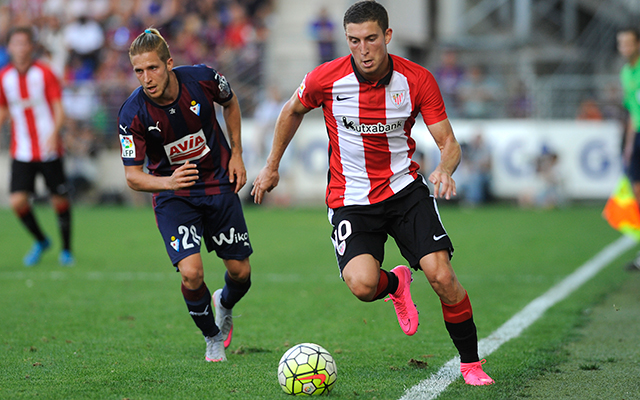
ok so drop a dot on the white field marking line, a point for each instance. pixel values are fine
(431, 387)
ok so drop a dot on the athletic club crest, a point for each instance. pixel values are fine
(397, 98)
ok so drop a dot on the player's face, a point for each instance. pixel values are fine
(20, 48)
(628, 45)
(154, 76)
(368, 45)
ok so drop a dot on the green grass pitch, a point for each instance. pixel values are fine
(115, 325)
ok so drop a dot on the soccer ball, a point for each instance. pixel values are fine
(307, 369)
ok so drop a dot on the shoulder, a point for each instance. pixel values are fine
(132, 106)
(410, 68)
(194, 73)
(331, 71)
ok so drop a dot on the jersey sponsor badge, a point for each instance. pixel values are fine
(188, 148)
(195, 107)
(397, 98)
(128, 146)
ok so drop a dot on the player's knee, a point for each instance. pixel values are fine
(362, 290)
(238, 270)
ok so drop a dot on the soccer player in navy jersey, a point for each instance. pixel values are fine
(194, 174)
(370, 100)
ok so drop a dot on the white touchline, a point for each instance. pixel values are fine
(431, 387)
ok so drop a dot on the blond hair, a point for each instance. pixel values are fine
(148, 41)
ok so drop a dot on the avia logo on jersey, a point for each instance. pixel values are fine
(375, 129)
(128, 146)
(232, 238)
(188, 148)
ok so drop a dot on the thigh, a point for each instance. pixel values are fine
(180, 225)
(416, 226)
(23, 176)
(225, 229)
(357, 230)
(54, 177)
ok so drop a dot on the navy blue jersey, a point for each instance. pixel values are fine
(186, 130)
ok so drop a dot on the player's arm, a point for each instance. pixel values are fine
(629, 140)
(58, 119)
(287, 125)
(444, 185)
(232, 118)
(183, 177)
(4, 115)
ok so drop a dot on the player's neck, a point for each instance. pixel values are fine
(171, 92)
(22, 67)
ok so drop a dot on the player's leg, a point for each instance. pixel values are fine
(55, 179)
(181, 228)
(198, 299)
(226, 232)
(22, 185)
(237, 281)
(458, 315)
(358, 237)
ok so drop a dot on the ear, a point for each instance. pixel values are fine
(387, 35)
(170, 64)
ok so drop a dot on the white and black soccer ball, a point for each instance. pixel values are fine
(307, 369)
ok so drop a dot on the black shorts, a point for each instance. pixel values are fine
(634, 164)
(218, 221)
(410, 216)
(23, 176)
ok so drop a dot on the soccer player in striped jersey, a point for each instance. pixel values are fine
(370, 100)
(194, 174)
(30, 95)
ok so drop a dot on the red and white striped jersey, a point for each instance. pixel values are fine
(29, 98)
(369, 126)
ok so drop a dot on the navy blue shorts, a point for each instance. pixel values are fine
(410, 216)
(218, 220)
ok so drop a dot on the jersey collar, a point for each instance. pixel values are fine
(382, 82)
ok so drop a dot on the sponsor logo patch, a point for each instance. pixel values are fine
(188, 148)
(128, 146)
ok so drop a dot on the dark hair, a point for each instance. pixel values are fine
(148, 41)
(632, 30)
(27, 30)
(365, 11)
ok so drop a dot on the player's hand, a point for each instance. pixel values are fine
(443, 184)
(184, 176)
(237, 172)
(266, 180)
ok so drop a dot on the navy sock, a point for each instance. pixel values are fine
(233, 291)
(199, 305)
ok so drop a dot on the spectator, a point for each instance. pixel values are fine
(449, 76)
(322, 32)
(85, 38)
(589, 110)
(476, 162)
(477, 94)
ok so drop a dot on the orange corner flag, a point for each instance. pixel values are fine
(621, 210)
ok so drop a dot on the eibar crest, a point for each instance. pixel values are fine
(195, 107)
(397, 98)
